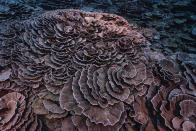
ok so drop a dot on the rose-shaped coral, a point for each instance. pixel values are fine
(16, 113)
(104, 90)
(47, 104)
(50, 48)
(179, 112)
(90, 71)
(190, 75)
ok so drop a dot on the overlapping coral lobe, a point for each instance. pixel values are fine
(176, 107)
(172, 94)
(56, 44)
(90, 68)
(53, 46)
(16, 113)
(48, 50)
(103, 90)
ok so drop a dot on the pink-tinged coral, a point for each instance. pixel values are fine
(141, 113)
(47, 104)
(167, 70)
(67, 100)
(52, 107)
(51, 47)
(190, 75)
(110, 115)
(82, 123)
(5, 74)
(187, 111)
(90, 71)
(102, 90)
(16, 113)
(187, 63)
(175, 107)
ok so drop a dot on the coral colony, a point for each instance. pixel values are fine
(70, 70)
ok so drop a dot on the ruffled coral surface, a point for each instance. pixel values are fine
(69, 70)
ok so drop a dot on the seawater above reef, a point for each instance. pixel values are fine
(69, 70)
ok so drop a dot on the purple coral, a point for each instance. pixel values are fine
(90, 71)
(16, 113)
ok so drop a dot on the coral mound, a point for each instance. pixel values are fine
(73, 70)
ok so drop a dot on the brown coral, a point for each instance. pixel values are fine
(90, 71)
(16, 113)
(101, 90)
(175, 117)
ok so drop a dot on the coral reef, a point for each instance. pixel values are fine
(74, 70)
(172, 22)
(16, 112)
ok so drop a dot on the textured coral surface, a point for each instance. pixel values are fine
(69, 70)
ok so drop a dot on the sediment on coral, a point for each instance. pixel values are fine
(74, 70)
